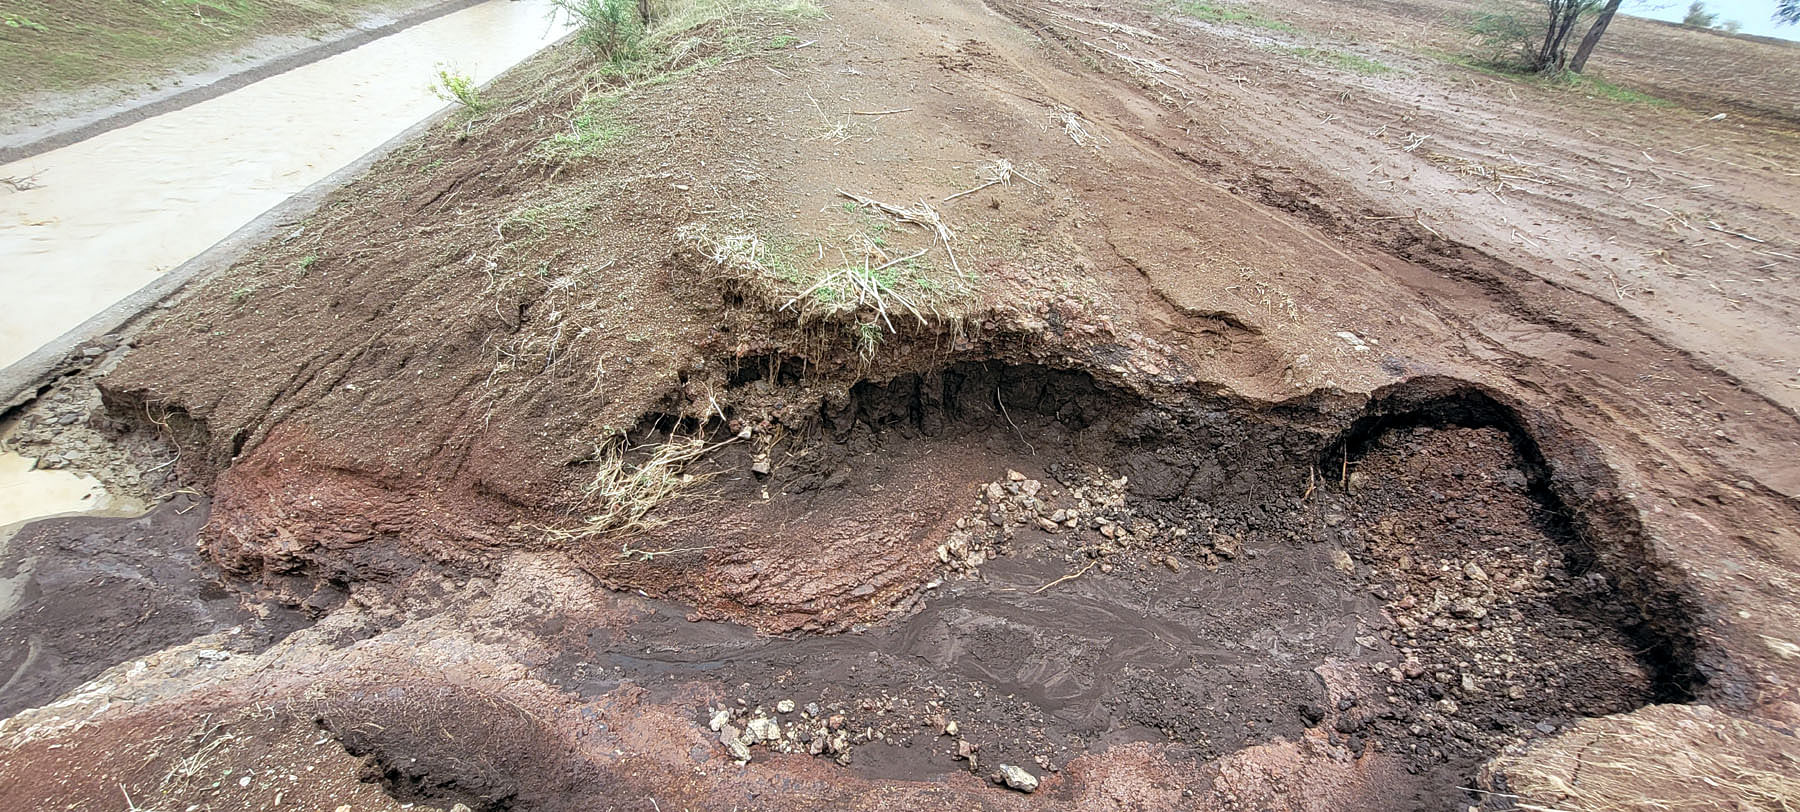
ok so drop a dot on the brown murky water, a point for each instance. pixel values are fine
(28, 492)
(111, 213)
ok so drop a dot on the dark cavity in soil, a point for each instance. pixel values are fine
(1426, 551)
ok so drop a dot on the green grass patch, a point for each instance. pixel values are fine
(594, 125)
(1236, 15)
(1587, 85)
(59, 45)
(1342, 60)
(19, 21)
(1595, 87)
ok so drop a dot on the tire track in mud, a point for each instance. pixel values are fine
(1486, 285)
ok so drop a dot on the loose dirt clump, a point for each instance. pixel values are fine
(1500, 632)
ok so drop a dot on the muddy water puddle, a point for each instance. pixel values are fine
(1033, 670)
(29, 491)
(81, 594)
(111, 213)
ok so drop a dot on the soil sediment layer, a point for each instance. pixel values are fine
(645, 442)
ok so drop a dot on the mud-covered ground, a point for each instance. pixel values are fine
(970, 405)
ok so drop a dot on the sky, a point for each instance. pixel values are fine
(1757, 16)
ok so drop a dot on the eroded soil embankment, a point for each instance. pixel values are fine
(1415, 588)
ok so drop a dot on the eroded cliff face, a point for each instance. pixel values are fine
(883, 404)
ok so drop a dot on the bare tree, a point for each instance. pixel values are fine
(1586, 49)
(1552, 56)
(1787, 11)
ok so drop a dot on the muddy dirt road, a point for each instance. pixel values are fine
(979, 405)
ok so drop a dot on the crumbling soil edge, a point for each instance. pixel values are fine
(1569, 475)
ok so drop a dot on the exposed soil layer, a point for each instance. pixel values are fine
(1228, 448)
(1202, 605)
(80, 595)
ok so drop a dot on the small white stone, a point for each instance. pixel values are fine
(1018, 778)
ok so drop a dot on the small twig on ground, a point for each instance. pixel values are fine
(1716, 227)
(23, 184)
(880, 112)
(1072, 126)
(1002, 174)
(1070, 577)
(920, 214)
(626, 551)
(1117, 28)
(1151, 65)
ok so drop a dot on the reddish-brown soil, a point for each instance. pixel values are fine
(1279, 436)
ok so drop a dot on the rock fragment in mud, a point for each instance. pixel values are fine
(1018, 778)
(729, 736)
(763, 728)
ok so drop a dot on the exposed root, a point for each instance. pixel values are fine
(1000, 173)
(854, 287)
(621, 497)
(920, 214)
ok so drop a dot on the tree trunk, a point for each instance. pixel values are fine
(1560, 56)
(1554, 53)
(1545, 53)
(1593, 36)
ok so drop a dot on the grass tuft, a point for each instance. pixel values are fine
(1588, 85)
(1342, 60)
(1221, 13)
(1595, 87)
(453, 85)
(594, 125)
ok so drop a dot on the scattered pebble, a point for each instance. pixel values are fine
(1018, 778)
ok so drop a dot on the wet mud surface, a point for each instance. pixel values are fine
(1205, 478)
(1214, 660)
(1431, 600)
(80, 595)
